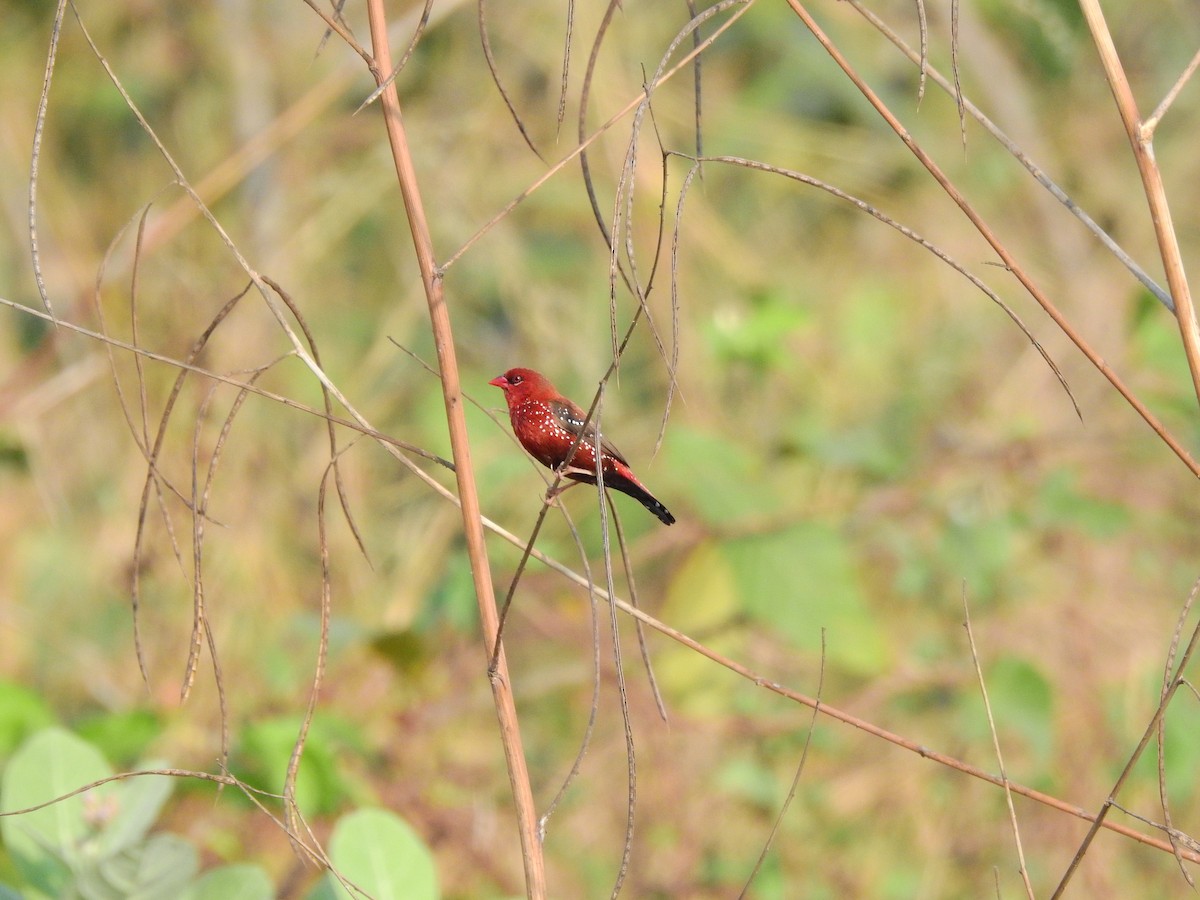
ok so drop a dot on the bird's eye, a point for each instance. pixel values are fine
(516, 379)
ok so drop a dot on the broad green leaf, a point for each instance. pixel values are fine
(141, 800)
(803, 579)
(266, 749)
(723, 477)
(50, 764)
(237, 882)
(21, 713)
(703, 602)
(158, 869)
(1022, 701)
(381, 854)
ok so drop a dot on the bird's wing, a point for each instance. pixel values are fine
(571, 418)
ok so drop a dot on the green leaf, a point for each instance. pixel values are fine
(22, 712)
(124, 736)
(703, 601)
(757, 331)
(237, 882)
(158, 869)
(52, 763)
(722, 477)
(804, 579)
(381, 854)
(266, 749)
(141, 800)
(1022, 701)
(1060, 504)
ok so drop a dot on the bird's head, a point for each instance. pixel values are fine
(520, 385)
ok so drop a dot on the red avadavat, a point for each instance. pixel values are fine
(547, 424)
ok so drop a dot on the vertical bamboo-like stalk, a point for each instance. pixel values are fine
(1141, 139)
(439, 315)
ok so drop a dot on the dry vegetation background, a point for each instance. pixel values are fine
(859, 440)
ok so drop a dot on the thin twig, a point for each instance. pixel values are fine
(1151, 124)
(1161, 737)
(1141, 139)
(39, 127)
(1017, 153)
(1151, 729)
(791, 795)
(987, 707)
(1006, 257)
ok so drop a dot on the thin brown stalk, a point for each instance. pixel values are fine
(1151, 730)
(439, 314)
(1141, 139)
(39, 127)
(920, 59)
(986, 232)
(404, 58)
(1161, 737)
(1149, 126)
(490, 59)
(643, 648)
(987, 707)
(791, 795)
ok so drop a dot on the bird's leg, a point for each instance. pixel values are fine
(553, 492)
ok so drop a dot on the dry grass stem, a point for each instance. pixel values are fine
(535, 875)
(985, 231)
(987, 707)
(1141, 140)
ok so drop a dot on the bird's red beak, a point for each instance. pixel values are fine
(500, 381)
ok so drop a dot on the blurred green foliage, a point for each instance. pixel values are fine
(857, 441)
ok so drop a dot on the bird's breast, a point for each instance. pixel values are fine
(541, 433)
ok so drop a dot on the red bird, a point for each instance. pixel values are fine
(547, 424)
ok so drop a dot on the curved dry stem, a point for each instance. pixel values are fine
(293, 769)
(39, 127)
(595, 136)
(791, 795)
(490, 59)
(887, 220)
(985, 231)
(1161, 736)
(1017, 153)
(987, 708)
(155, 479)
(643, 648)
(594, 707)
(1151, 729)
(334, 453)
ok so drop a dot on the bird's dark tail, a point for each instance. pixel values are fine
(626, 485)
(641, 495)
